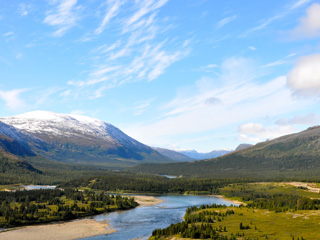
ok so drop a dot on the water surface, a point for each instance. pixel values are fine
(141, 221)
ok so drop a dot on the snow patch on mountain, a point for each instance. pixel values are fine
(70, 125)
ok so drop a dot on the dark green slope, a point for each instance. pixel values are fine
(13, 146)
(292, 156)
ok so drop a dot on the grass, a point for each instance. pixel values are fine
(268, 188)
(264, 224)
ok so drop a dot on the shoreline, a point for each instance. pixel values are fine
(230, 200)
(69, 230)
(76, 229)
(146, 201)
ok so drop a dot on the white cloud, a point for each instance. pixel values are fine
(285, 12)
(145, 7)
(12, 98)
(304, 78)
(252, 48)
(233, 102)
(141, 52)
(7, 34)
(309, 26)
(308, 119)
(63, 17)
(275, 63)
(141, 106)
(114, 6)
(225, 21)
(261, 26)
(24, 9)
(299, 3)
(256, 132)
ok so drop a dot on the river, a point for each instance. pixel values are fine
(139, 223)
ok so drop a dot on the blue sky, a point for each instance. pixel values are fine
(181, 74)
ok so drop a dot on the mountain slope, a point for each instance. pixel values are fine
(174, 155)
(295, 155)
(243, 146)
(79, 139)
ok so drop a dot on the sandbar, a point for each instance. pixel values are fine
(145, 201)
(63, 231)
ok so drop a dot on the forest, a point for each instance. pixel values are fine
(42, 206)
(143, 183)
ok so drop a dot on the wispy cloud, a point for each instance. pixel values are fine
(144, 7)
(63, 17)
(213, 104)
(141, 106)
(299, 3)
(308, 119)
(275, 63)
(12, 98)
(8, 34)
(113, 8)
(24, 9)
(256, 132)
(263, 25)
(266, 22)
(140, 53)
(226, 20)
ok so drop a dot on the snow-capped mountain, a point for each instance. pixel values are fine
(76, 138)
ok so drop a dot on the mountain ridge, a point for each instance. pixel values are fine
(77, 139)
(287, 156)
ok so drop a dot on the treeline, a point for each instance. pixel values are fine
(198, 224)
(149, 184)
(39, 206)
(282, 202)
(271, 199)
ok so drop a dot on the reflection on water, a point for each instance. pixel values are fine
(37, 187)
(140, 222)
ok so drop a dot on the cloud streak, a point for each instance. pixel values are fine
(114, 6)
(140, 53)
(225, 21)
(63, 17)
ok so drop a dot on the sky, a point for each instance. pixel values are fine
(179, 74)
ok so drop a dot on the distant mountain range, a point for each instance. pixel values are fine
(193, 155)
(200, 156)
(73, 139)
(292, 156)
(174, 155)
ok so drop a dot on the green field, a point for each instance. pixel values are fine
(272, 211)
(264, 224)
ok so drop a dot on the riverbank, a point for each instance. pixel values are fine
(62, 231)
(230, 200)
(146, 201)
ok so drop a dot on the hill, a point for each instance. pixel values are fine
(243, 146)
(295, 156)
(77, 139)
